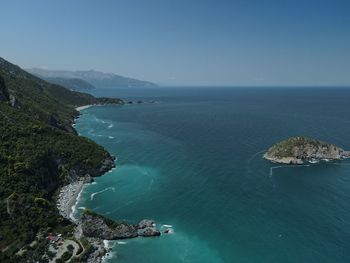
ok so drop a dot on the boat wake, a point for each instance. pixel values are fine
(251, 159)
(285, 166)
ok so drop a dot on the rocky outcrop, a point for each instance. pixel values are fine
(298, 150)
(86, 171)
(13, 101)
(146, 223)
(147, 228)
(95, 225)
(148, 232)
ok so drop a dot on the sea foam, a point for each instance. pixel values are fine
(99, 192)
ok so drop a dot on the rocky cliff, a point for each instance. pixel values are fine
(95, 225)
(298, 150)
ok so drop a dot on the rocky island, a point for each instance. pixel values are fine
(298, 150)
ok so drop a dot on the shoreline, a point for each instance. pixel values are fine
(80, 108)
(66, 203)
(68, 199)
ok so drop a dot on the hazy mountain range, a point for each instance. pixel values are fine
(89, 79)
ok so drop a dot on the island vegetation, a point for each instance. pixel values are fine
(298, 150)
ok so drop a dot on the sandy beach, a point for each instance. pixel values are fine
(68, 198)
(83, 107)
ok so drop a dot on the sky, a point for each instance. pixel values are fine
(184, 42)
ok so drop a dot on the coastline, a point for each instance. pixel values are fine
(80, 108)
(66, 203)
(68, 198)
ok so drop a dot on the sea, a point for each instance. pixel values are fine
(191, 159)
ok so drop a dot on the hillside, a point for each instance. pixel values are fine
(72, 84)
(297, 150)
(96, 78)
(47, 102)
(39, 151)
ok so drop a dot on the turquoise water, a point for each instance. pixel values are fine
(193, 160)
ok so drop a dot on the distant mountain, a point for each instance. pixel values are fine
(96, 78)
(72, 84)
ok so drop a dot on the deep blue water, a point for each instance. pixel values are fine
(193, 160)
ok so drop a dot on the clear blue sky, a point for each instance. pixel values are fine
(262, 42)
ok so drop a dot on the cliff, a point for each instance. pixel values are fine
(298, 150)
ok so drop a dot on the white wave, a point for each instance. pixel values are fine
(73, 209)
(106, 243)
(110, 171)
(314, 161)
(171, 231)
(99, 192)
(121, 243)
(108, 246)
(110, 137)
(110, 126)
(94, 183)
(167, 226)
(81, 207)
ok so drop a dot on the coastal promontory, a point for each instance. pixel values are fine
(98, 226)
(298, 150)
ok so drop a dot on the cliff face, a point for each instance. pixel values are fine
(297, 150)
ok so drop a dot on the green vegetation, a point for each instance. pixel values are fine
(65, 257)
(289, 147)
(39, 151)
(109, 222)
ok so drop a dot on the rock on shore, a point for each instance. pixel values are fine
(298, 150)
(95, 225)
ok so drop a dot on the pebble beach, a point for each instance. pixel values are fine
(67, 199)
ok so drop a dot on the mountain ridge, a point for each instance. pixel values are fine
(95, 78)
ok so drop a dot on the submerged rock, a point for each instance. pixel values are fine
(298, 150)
